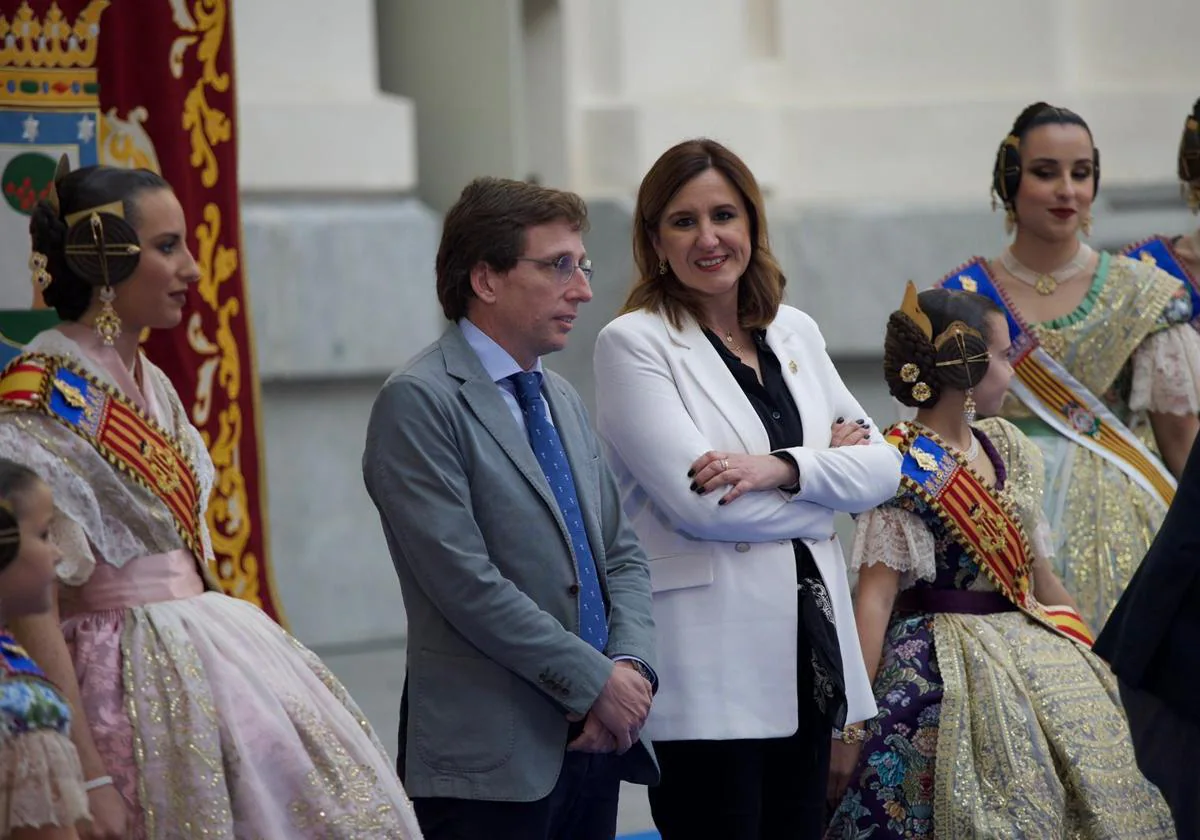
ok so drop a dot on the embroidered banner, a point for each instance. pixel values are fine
(149, 83)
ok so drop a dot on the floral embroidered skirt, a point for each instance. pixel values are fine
(214, 722)
(994, 726)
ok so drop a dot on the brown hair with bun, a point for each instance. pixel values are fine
(938, 339)
(1006, 171)
(87, 232)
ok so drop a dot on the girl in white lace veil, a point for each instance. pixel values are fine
(195, 714)
(41, 784)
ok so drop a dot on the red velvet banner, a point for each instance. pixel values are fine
(165, 101)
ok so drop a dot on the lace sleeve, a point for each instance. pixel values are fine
(898, 539)
(1040, 541)
(41, 780)
(1166, 372)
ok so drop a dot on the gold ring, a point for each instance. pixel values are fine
(724, 464)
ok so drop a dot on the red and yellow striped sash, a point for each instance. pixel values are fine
(982, 521)
(124, 435)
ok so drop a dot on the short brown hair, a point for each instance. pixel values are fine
(760, 290)
(487, 224)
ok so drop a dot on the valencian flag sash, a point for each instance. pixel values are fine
(1048, 389)
(983, 522)
(126, 437)
(149, 84)
(1158, 250)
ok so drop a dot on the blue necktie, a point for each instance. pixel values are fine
(547, 446)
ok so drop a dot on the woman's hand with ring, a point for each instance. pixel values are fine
(741, 472)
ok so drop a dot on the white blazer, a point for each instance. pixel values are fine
(724, 578)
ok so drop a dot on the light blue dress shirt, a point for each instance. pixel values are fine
(499, 365)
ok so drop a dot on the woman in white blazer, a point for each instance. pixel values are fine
(735, 442)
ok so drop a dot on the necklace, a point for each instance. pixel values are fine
(971, 452)
(733, 345)
(1046, 283)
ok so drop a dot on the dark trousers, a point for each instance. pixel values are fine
(754, 789)
(762, 789)
(758, 789)
(1166, 745)
(582, 806)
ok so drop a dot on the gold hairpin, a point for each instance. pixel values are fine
(61, 171)
(116, 208)
(912, 308)
(966, 360)
(956, 330)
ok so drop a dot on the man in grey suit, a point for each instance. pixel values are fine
(528, 598)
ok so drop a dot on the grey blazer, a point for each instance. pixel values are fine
(495, 662)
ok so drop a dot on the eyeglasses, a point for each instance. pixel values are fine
(564, 267)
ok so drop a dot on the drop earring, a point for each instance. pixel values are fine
(108, 323)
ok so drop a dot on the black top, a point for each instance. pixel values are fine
(819, 663)
(771, 398)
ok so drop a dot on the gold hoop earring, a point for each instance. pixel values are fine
(1086, 224)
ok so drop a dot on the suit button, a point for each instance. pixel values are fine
(573, 589)
(742, 548)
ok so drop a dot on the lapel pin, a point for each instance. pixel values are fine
(792, 366)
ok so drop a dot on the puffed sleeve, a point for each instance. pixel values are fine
(898, 539)
(41, 780)
(1166, 372)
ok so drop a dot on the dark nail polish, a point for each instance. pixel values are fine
(721, 502)
(862, 423)
(691, 473)
(841, 420)
(694, 487)
(701, 490)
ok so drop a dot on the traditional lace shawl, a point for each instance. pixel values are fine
(100, 512)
